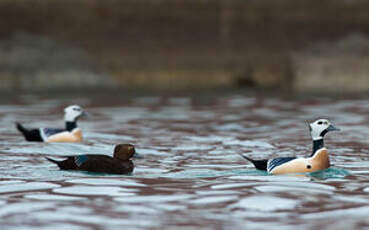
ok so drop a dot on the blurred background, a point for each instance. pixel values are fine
(192, 84)
(302, 46)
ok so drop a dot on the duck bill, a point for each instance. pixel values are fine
(332, 128)
(137, 156)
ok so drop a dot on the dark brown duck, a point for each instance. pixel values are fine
(120, 163)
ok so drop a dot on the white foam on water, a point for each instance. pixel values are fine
(52, 197)
(286, 188)
(153, 152)
(24, 208)
(148, 171)
(169, 207)
(340, 213)
(115, 137)
(232, 185)
(11, 182)
(217, 192)
(262, 216)
(273, 178)
(14, 158)
(221, 151)
(211, 138)
(155, 198)
(137, 209)
(352, 199)
(213, 200)
(27, 186)
(265, 203)
(196, 173)
(94, 219)
(228, 166)
(53, 226)
(366, 189)
(192, 147)
(95, 191)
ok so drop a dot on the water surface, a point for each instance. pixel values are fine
(191, 176)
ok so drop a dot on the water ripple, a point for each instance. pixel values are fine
(191, 176)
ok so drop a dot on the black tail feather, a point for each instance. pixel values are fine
(30, 135)
(21, 128)
(67, 164)
(53, 161)
(259, 164)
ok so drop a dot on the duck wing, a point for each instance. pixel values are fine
(103, 164)
(48, 132)
(95, 163)
(75, 162)
(277, 162)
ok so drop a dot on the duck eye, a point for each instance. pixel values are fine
(308, 166)
(320, 122)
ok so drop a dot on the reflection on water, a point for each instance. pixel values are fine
(191, 176)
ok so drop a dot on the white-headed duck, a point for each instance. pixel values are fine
(71, 133)
(318, 160)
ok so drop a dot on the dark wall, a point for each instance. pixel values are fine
(196, 34)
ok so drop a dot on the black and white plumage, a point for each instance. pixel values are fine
(318, 160)
(318, 129)
(71, 133)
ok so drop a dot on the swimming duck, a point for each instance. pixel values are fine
(71, 133)
(318, 160)
(120, 163)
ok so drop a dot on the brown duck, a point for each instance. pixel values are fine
(120, 163)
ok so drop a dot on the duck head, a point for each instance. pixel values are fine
(320, 127)
(124, 152)
(73, 112)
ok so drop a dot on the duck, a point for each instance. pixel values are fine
(71, 133)
(318, 160)
(120, 163)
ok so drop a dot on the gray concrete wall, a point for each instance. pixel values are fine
(182, 44)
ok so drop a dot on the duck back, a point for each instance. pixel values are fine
(105, 164)
(95, 163)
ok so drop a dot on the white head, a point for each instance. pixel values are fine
(321, 127)
(73, 112)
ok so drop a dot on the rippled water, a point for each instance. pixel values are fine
(191, 176)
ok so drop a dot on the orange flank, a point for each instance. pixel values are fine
(318, 162)
(74, 136)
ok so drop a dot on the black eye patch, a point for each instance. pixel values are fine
(320, 122)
